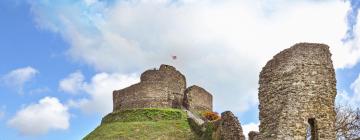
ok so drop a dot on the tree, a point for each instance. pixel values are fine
(347, 123)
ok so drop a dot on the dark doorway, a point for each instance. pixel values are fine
(311, 131)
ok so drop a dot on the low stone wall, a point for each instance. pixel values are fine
(197, 99)
(230, 127)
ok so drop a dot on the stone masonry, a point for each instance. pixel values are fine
(297, 92)
(197, 99)
(230, 128)
(253, 135)
(162, 88)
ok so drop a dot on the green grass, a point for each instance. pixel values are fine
(147, 114)
(144, 124)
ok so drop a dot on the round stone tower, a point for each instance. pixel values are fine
(297, 93)
(163, 88)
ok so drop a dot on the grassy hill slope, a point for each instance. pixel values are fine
(141, 124)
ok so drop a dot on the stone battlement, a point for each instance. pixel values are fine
(162, 88)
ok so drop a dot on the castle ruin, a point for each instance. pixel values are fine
(297, 93)
(162, 88)
(166, 88)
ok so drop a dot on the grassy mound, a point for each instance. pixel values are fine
(141, 124)
(140, 115)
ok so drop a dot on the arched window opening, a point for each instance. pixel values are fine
(311, 131)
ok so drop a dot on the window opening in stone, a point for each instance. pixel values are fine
(311, 130)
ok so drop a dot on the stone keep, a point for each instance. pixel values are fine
(163, 88)
(297, 93)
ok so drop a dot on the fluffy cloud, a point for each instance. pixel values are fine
(344, 98)
(72, 83)
(355, 86)
(220, 45)
(350, 98)
(250, 127)
(348, 55)
(18, 77)
(351, 19)
(100, 90)
(39, 118)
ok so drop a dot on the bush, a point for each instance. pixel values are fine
(211, 116)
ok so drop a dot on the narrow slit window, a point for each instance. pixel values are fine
(311, 131)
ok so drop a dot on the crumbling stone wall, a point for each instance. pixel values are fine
(163, 88)
(230, 128)
(197, 99)
(253, 135)
(298, 86)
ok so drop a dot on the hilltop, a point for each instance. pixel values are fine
(161, 106)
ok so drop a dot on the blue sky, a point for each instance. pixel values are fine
(60, 60)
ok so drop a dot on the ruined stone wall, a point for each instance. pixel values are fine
(253, 135)
(230, 128)
(163, 88)
(197, 99)
(296, 86)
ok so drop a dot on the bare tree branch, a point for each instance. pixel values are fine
(347, 123)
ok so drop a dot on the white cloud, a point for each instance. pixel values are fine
(100, 91)
(349, 54)
(343, 98)
(355, 86)
(351, 98)
(72, 83)
(36, 119)
(18, 77)
(250, 127)
(89, 2)
(220, 45)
